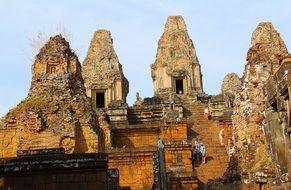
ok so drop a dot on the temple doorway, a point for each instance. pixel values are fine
(100, 100)
(179, 86)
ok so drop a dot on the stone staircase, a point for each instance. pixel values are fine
(194, 112)
(207, 131)
(138, 114)
(216, 155)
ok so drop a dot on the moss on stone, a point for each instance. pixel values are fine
(34, 104)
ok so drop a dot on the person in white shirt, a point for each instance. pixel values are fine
(221, 136)
(206, 113)
(203, 152)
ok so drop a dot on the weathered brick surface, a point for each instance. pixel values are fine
(183, 183)
(86, 140)
(132, 139)
(139, 142)
(135, 167)
(147, 134)
(174, 132)
(178, 154)
(8, 145)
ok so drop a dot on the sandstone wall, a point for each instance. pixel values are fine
(175, 155)
(102, 71)
(136, 145)
(231, 84)
(135, 167)
(135, 139)
(176, 60)
(147, 135)
(8, 145)
(174, 132)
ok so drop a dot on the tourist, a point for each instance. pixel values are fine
(195, 154)
(160, 143)
(221, 136)
(206, 113)
(197, 143)
(178, 119)
(197, 146)
(203, 152)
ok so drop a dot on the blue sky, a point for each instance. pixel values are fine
(220, 30)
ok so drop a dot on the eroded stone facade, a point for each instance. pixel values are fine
(57, 113)
(263, 60)
(104, 79)
(152, 140)
(277, 125)
(231, 86)
(176, 69)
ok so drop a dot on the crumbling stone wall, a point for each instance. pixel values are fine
(249, 105)
(231, 85)
(57, 112)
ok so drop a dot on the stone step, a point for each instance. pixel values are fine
(215, 167)
(217, 162)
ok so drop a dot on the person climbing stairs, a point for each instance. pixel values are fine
(207, 131)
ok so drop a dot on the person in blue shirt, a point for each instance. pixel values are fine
(195, 153)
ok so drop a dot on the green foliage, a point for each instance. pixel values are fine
(263, 160)
(267, 160)
(86, 115)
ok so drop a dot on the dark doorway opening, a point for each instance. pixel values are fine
(179, 86)
(100, 100)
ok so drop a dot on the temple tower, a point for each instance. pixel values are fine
(103, 76)
(57, 113)
(176, 69)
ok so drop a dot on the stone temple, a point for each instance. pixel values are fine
(176, 69)
(75, 129)
(102, 72)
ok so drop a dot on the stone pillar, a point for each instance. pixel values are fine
(288, 133)
(163, 174)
